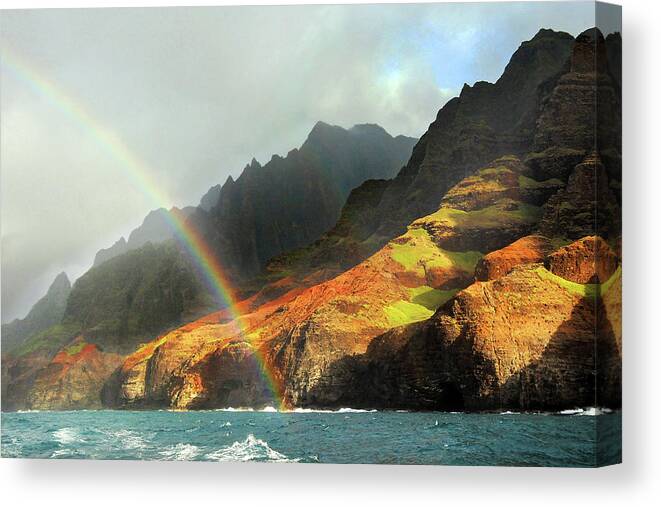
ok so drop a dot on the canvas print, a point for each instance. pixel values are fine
(317, 234)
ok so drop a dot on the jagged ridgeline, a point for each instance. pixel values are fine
(472, 278)
(142, 286)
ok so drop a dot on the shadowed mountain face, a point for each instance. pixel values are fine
(45, 313)
(292, 201)
(287, 203)
(135, 295)
(484, 275)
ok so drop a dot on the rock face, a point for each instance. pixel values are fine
(527, 250)
(21, 365)
(587, 96)
(45, 313)
(585, 206)
(484, 351)
(589, 260)
(73, 379)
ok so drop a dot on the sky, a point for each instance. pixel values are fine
(195, 93)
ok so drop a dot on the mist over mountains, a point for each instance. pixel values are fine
(287, 203)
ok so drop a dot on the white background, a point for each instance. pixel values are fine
(636, 482)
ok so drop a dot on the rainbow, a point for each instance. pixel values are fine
(140, 174)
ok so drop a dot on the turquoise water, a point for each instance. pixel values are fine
(317, 437)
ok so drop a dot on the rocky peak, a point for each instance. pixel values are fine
(371, 129)
(250, 168)
(118, 248)
(210, 199)
(589, 52)
(545, 51)
(60, 284)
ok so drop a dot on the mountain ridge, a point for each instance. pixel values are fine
(46, 312)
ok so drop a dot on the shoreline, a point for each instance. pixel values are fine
(586, 411)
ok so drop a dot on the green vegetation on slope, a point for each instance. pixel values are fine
(503, 213)
(49, 341)
(586, 290)
(135, 296)
(405, 312)
(419, 251)
(424, 302)
(74, 349)
(431, 298)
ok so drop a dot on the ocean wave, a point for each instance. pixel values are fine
(251, 449)
(62, 452)
(592, 411)
(129, 440)
(346, 410)
(571, 411)
(65, 436)
(180, 452)
(268, 409)
(589, 411)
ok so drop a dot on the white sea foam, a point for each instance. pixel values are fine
(180, 452)
(589, 411)
(595, 411)
(66, 436)
(251, 449)
(246, 409)
(310, 411)
(571, 411)
(129, 439)
(61, 452)
(226, 424)
(326, 411)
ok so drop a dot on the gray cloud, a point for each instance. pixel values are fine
(197, 92)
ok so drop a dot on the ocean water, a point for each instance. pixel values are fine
(344, 436)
